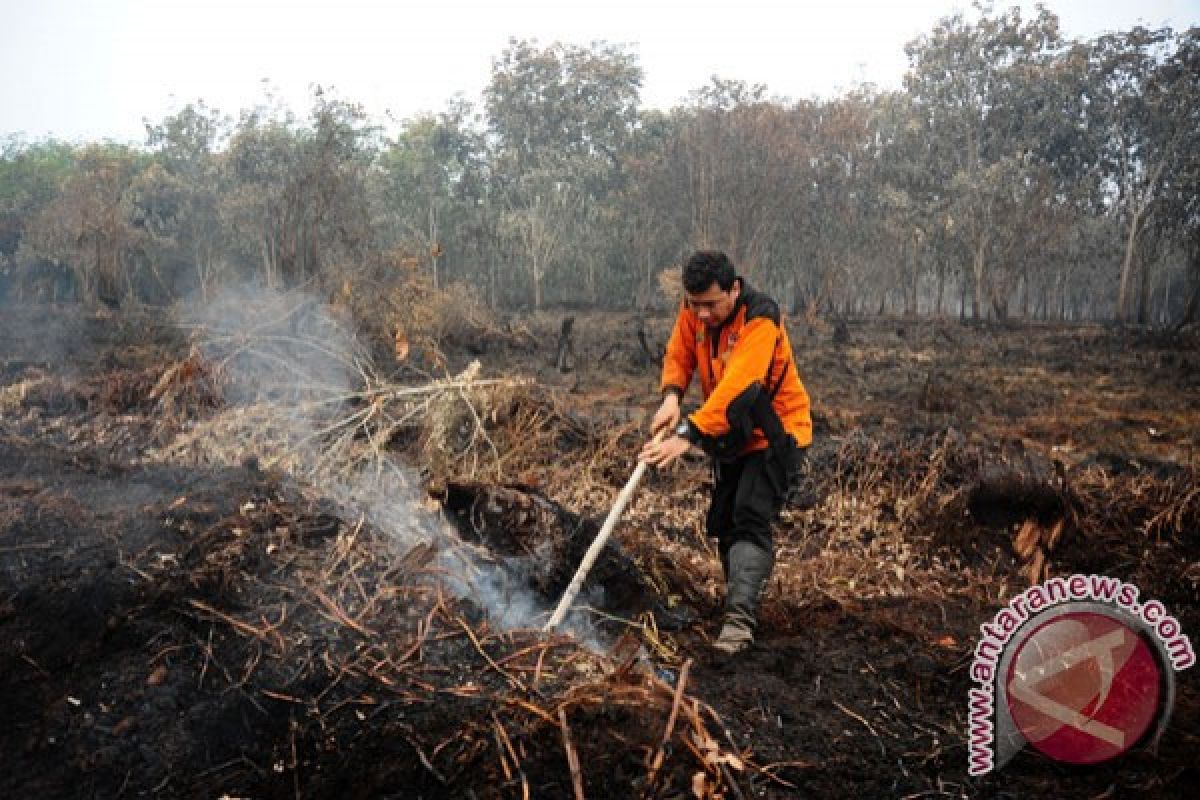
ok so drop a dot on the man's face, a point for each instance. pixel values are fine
(714, 305)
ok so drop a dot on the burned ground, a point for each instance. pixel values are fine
(179, 619)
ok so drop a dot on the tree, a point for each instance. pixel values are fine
(430, 182)
(1134, 157)
(89, 225)
(31, 177)
(974, 86)
(295, 192)
(740, 158)
(1174, 91)
(540, 225)
(560, 118)
(653, 223)
(847, 252)
(179, 196)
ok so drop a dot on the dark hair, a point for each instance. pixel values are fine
(707, 267)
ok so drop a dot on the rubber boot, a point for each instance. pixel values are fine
(749, 568)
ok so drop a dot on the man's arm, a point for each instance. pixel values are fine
(679, 361)
(679, 364)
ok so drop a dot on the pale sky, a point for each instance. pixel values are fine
(92, 69)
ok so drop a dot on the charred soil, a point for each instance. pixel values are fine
(224, 626)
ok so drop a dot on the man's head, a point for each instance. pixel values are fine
(711, 286)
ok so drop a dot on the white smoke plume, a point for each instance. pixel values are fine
(293, 370)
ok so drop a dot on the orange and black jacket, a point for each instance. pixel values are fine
(749, 353)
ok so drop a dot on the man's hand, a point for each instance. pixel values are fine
(660, 454)
(667, 416)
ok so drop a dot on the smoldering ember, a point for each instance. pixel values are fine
(304, 432)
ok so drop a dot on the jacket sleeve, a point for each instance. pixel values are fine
(748, 363)
(679, 363)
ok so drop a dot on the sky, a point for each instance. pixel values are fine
(84, 70)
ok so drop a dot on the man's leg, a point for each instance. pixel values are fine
(719, 522)
(761, 489)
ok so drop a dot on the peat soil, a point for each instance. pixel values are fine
(158, 637)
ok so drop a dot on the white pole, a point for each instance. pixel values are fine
(598, 543)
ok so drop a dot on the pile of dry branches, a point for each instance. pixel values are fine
(326, 623)
(303, 398)
(946, 514)
(933, 515)
(403, 315)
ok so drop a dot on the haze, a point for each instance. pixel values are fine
(82, 70)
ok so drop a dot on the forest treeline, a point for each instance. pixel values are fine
(1017, 173)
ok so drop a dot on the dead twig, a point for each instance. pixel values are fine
(572, 756)
(531, 708)
(16, 548)
(865, 724)
(336, 614)
(660, 753)
(512, 679)
(262, 634)
(506, 746)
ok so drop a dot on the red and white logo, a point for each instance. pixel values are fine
(1084, 687)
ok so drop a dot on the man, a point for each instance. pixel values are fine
(754, 422)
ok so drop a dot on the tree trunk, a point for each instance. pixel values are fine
(1064, 281)
(1164, 311)
(999, 305)
(941, 288)
(492, 278)
(434, 248)
(1127, 267)
(564, 359)
(1146, 276)
(1192, 311)
(962, 297)
(647, 353)
(264, 251)
(977, 301)
(1135, 226)
(911, 302)
(537, 286)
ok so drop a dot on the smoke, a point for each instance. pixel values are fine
(301, 371)
(284, 348)
(61, 342)
(296, 381)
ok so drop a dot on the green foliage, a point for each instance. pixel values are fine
(1017, 172)
(429, 187)
(561, 119)
(31, 173)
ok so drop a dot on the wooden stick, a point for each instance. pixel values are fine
(598, 543)
(572, 756)
(237, 624)
(657, 761)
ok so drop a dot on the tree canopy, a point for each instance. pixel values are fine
(1016, 173)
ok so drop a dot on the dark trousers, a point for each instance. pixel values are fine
(746, 500)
